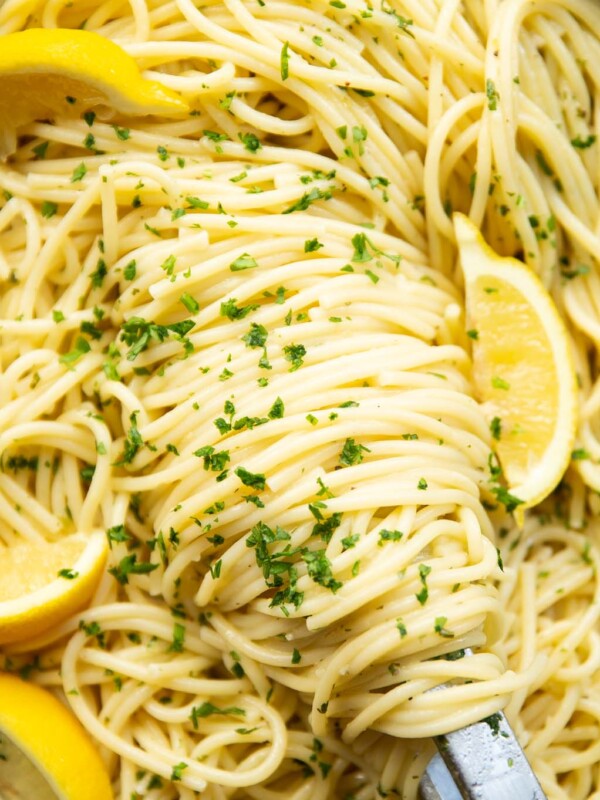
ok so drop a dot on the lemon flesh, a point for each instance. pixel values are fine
(522, 365)
(44, 752)
(44, 583)
(45, 73)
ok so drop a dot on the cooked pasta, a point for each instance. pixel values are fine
(235, 342)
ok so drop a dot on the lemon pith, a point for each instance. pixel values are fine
(52, 739)
(52, 72)
(34, 597)
(522, 364)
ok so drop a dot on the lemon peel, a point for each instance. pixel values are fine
(46, 754)
(45, 73)
(523, 367)
(44, 583)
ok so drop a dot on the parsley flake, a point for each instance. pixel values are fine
(79, 173)
(245, 261)
(49, 209)
(285, 58)
(582, 144)
(69, 574)
(250, 142)
(294, 353)
(492, 95)
(129, 565)
(352, 453)
(439, 628)
(254, 480)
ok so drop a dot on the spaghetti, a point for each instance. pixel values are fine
(234, 342)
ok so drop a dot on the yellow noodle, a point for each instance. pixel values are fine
(240, 335)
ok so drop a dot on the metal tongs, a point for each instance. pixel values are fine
(482, 761)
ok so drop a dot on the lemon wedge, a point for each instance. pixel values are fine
(43, 583)
(45, 754)
(523, 367)
(45, 73)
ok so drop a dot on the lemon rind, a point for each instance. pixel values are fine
(27, 616)
(540, 481)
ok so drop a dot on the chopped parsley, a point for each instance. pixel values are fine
(209, 710)
(307, 199)
(139, 333)
(117, 534)
(79, 173)
(15, 463)
(177, 771)
(277, 410)
(325, 526)
(352, 453)
(82, 346)
(245, 261)
(389, 536)
(312, 245)
(196, 202)
(275, 564)
(41, 149)
(190, 303)
(213, 460)
(178, 638)
(378, 180)
(256, 336)
(69, 574)
(294, 353)
(492, 95)
(359, 135)
(98, 275)
(361, 254)
(133, 442)
(494, 723)
(439, 627)
(543, 164)
(500, 383)
(225, 102)
(129, 565)
(250, 142)
(285, 59)
(496, 428)
(423, 594)
(232, 311)
(570, 273)
(509, 500)
(319, 569)
(214, 136)
(129, 272)
(254, 480)
(49, 209)
(93, 629)
(348, 542)
(580, 454)
(582, 144)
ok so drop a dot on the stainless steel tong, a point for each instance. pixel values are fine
(483, 761)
